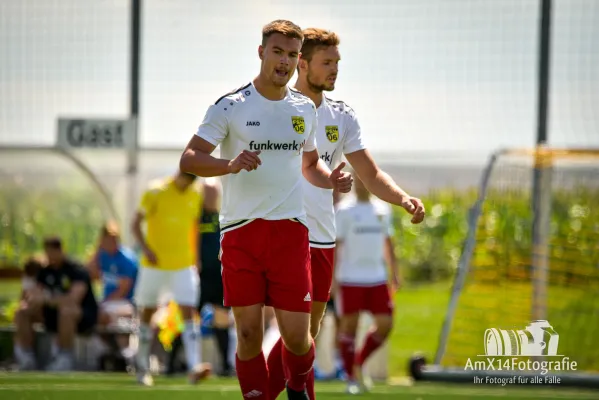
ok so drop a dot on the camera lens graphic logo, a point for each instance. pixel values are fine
(537, 339)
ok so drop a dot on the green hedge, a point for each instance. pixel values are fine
(431, 251)
(27, 214)
(427, 252)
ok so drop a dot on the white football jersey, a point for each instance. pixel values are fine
(281, 130)
(338, 133)
(362, 228)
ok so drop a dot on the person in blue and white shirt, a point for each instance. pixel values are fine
(117, 268)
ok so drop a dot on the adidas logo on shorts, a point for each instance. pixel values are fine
(308, 297)
(252, 394)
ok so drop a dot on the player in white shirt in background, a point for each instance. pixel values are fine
(338, 133)
(364, 250)
(266, 135)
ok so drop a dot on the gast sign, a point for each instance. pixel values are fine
(96, 133)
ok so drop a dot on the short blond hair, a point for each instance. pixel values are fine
(283, 27)
(110, 229)
(315, 38)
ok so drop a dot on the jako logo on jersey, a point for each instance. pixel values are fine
(252, 123)
(332, 132)
(295, 146)
(298, 124)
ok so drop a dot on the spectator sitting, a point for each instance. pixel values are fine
(117, 267)
(28, 288)
(67, 303)
(31, 269)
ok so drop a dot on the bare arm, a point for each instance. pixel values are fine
(93, 266)
(315, 170)
(74, 296)
(197, 159)
(35, 296)
(136, 229)
(317, 173)
(122, 290)
(379, 183)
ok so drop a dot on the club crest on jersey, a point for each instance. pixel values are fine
(332, 132)
(298, 124)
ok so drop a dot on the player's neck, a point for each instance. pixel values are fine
(304, 88)
(269, 91)
(365, 198)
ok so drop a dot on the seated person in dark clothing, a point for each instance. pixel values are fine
(65, 297)
(31, 269)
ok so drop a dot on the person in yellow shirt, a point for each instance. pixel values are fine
(169, 209)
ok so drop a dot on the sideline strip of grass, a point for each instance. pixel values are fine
(30, 386)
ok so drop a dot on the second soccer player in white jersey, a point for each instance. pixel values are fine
(266, 135)
(364, 249)
(338, 133)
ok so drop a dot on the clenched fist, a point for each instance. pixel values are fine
(246, 160)
(415, 207)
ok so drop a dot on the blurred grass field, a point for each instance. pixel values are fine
(25, 386)
(572, 311)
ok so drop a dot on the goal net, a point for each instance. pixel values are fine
(532, 254)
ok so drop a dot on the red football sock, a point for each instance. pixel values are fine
(297, 368)
(346, 348)
(372, 342)
(253, 377)
(310, 385)
(276, 374)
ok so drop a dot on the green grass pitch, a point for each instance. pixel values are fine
(44, 386)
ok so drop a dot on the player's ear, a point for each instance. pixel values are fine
(261, 52)
(303, 64)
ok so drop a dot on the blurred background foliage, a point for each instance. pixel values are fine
(27, 214)
(429, 252)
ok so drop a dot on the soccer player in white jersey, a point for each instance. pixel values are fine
(364, 249)
(266, 135)
(338, 134)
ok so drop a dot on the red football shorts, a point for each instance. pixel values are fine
(267, 262)
(374, 299)
(322, 262)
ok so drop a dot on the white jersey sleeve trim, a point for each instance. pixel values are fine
(215, 126)
(322, 245)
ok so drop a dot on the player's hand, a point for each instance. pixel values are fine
(415, 207)
(150, 256)
(341, 181)
(246, 160)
